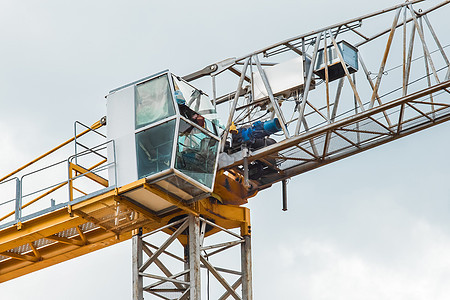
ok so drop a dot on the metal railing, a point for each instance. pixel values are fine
(17, 197)
(91, 172)
(26, 186)
(76, 138)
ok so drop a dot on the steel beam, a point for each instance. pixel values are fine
(246, 266)
(367, 16)
(424, 43)
(191, 231)
(275, 105)
(194, 257)
(235, 101)
(301, 110)
(293, 141)
(137, 261)
(385, 57)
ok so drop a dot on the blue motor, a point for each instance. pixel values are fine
(256, 132)
(256, 136)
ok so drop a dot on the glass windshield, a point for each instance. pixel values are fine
(191, 100)
(153, 101)
(196, 154)
(154, 149)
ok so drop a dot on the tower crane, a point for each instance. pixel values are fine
(162, 168)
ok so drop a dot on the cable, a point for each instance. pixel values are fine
(253, 120)
(417, 58)
(414, 81)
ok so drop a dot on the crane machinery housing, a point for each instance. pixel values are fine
(161, 163)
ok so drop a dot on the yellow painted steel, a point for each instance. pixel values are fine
(107, 229)
(94, 126)
(229, 188)
(87, 172)
(98, 179)
(103, 220)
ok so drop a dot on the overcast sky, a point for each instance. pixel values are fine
(373, 226)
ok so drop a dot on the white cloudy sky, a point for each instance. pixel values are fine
(374, 226)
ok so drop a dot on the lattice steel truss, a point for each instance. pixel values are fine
(153, 266)
(401, 87)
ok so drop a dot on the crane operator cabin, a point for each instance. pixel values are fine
(164, 130)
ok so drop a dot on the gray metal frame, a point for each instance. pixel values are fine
(383, 106)
(21, 183)
(154, 275)
(177, 116)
